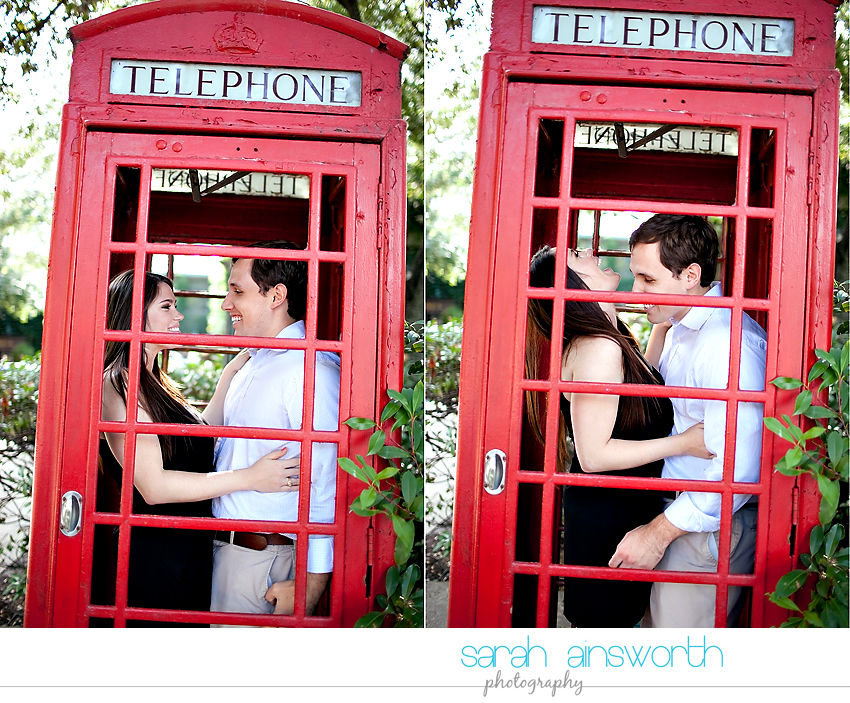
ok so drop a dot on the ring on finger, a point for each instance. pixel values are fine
(289, 482)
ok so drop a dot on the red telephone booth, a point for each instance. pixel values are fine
(193, 130)
(591, 114)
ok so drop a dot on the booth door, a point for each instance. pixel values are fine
(742, 160)
(183, 205)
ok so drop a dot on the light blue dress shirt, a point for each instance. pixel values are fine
(269, 392)
(696, 354)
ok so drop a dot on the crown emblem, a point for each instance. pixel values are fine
(237, 38)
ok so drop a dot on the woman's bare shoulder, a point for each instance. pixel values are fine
(594, 358)
(114, 407)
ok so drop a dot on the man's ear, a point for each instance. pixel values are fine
(278, 295)
(691, 276)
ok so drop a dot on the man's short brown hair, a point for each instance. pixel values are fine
(683, 240)
(267, 273)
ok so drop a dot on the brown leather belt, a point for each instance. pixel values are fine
(257, 541)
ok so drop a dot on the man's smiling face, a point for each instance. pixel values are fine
(249, 310)
(651, 276)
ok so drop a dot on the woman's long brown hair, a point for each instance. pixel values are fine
(158, 394)
(581, 319)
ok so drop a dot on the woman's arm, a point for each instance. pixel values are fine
(157, 485)
(600, 360)
(214, 412)
(655, 345)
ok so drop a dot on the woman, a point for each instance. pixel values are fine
(628, 435)
(173, 475)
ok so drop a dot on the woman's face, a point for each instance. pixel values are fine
(587, 267)
(163, 316)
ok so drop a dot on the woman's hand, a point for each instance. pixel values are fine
(694, 442)
(271, 474)
(236, 363)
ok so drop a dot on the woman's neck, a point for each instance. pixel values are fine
(611, 311)
(149, 357)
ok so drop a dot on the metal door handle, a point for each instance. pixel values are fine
(494, 471)
(71, 514)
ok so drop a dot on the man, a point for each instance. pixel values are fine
(678, 255)
(268, 298)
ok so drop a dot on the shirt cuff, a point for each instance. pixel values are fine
(682, 513)
(320, 554)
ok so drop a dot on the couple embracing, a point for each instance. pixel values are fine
(677, 438)
(230, 478)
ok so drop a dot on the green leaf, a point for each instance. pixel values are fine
(387, 472)
(786, 383)
(368, 496)
(812, 618)
(845, 357)
(794, 457)
(829, 503)
(389, 410)
(392, 580)
(360, 423)
(408, 581)
(357, 509)
(351, 468)
(782, 467)
(817, 370)
(833, 538)
(777, 427)
(418, 398)
(373, 619)
(383, 603)
(816, 539)
(786, 603)
(814, 432)
(827, 357)
(817, 412)
(409, 487)
(804, 400)
(401, 400)
(404, 531)
(376, 441)
(822, 587)
(790, 583)
(390, 452)
(837, 446)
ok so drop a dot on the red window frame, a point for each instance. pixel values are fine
(104, 152)
(489, 526)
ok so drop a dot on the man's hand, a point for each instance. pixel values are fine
(281, 594)
(643, 547)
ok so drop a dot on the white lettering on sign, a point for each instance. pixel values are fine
(276, 185)
(684, 138)
(203, 81)
(717, 34)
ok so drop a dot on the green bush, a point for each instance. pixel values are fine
(18, 404)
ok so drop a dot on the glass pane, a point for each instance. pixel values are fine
(228, 207)
(687, 164)
(126, 206)
(762, 167)
(333, 214)
(550, 149)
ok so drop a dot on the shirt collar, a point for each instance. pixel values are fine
(696, 317)
(297, 330)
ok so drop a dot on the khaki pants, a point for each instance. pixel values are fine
(693, 605)
(242, 576)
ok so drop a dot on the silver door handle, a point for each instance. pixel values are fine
(494, 471)
(71, 514)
